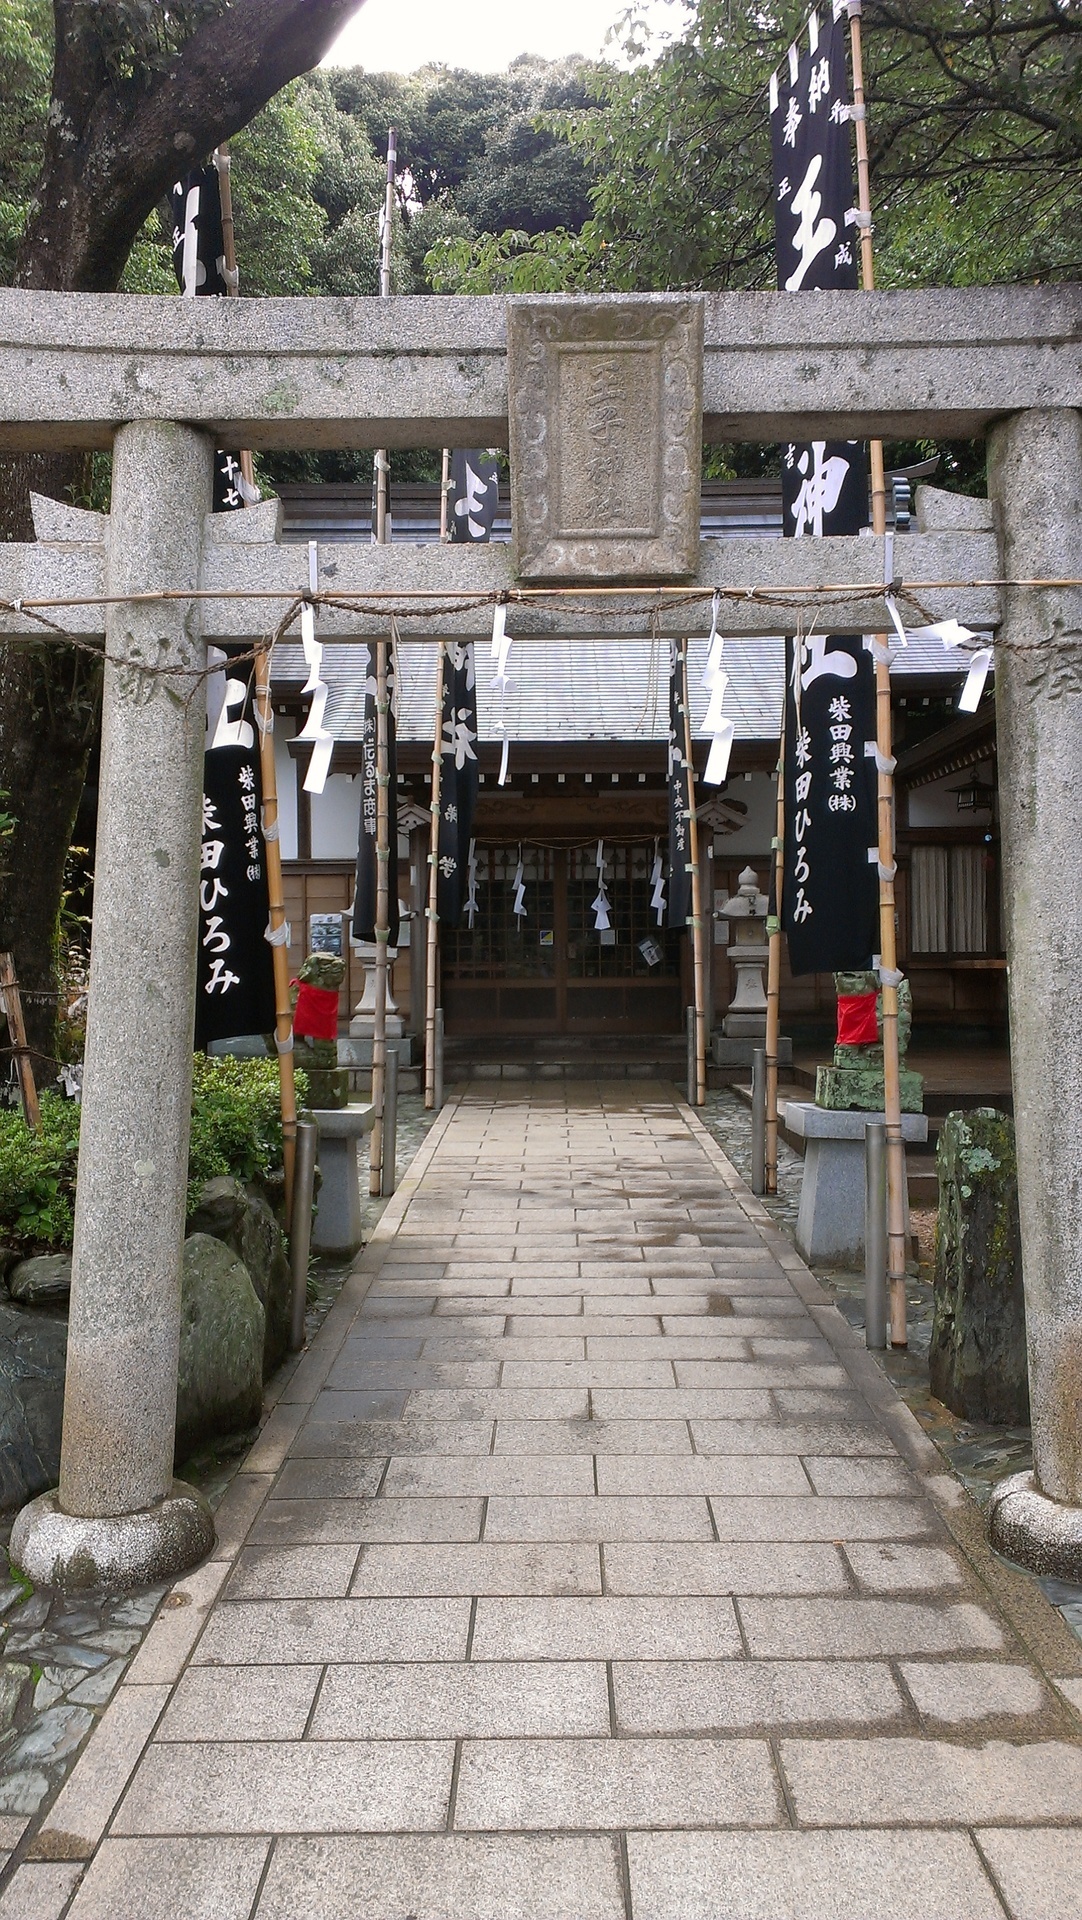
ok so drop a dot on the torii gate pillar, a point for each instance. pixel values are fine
(1035, 479)
(118, 1518)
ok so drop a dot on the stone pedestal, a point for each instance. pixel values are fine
(356, 1050)
(117, 1518)
(336, 1228)
(364, 1014)
(1034, 469)
(830, 1224)
(737, 1053)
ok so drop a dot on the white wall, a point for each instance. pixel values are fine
(936, 806)
(335, 819)
(286, 770)
(752, 838)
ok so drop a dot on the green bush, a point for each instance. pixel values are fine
(236, 1129)
(236, 1119)
(37, 1175)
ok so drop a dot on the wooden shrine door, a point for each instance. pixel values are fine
(547, 970)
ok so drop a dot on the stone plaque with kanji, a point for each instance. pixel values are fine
(606, 436)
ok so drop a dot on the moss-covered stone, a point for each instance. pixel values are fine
(328, 1083)
(860, 1088)
(33, 1348)
(241, 1217)
(978, 1351)
(220, 1384)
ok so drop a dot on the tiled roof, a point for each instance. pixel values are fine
(578, 690)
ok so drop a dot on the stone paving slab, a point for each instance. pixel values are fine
(584, 1570)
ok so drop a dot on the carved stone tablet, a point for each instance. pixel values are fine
(606, 436)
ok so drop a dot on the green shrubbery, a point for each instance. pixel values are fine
(236, 1128)
(37, 1176)
(236, 1119)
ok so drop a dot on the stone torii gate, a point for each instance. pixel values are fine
(581, 390)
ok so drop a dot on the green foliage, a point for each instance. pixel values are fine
(236, 1129)
(138, 38)
(26, 49)
(975, 128)
(236, 1119)
(514, 262)
(8, 824)
(37, 1176)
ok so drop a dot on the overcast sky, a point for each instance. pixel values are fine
(397, 36)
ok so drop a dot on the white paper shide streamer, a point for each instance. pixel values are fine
(953, 634)
(501, 648)
(657, 883)
(718, 730)
(323, 741)
(980, 665)
(519, 908)
(471, 897)
(600, 903)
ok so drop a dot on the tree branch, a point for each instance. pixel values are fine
(115, 148)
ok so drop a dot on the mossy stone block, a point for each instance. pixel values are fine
(978, 1353)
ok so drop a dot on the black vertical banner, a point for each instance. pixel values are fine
(364, 903)
(236, 971)
(458, 781)
(474, 498)
(198, 246)
(830, 889)
(236, 974)
(199, 265)
(681, 776)
(475, 495)
(814, 223)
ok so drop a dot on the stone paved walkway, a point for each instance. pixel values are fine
(586, 1568)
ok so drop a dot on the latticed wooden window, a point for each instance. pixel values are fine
(503, 945)
(636, 945)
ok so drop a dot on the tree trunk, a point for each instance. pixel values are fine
(112, 148)
(50, 697)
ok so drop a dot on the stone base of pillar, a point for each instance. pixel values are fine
(57, 1549)
(1026, 1526)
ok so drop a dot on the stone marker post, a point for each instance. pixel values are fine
(118, 1517)
(1035, 479)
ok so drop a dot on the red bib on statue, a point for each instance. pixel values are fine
(857, 1024)
(316, 1014)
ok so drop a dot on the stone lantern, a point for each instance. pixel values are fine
(744, 1025)
(749, 951)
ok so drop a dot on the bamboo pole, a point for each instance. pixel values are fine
(432, 940)
(382, 467)
(382, 927)
(773, 987)
(445, 497)
(697, 947)
(283, 1010)
(888, 943)
(11, 1004)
